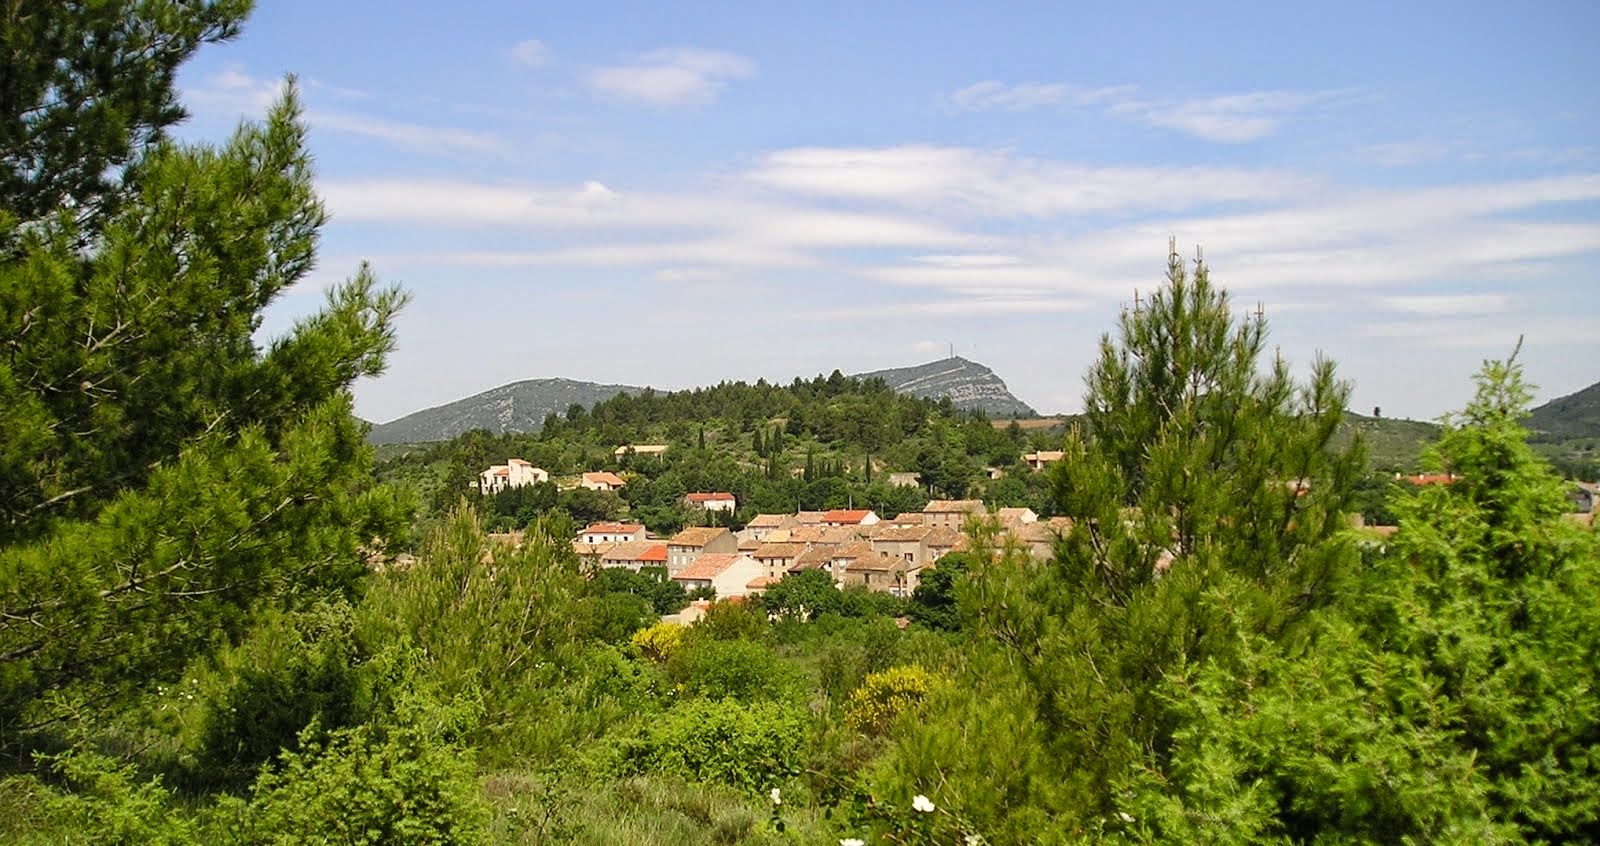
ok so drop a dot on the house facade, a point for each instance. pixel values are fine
(515, 473)
(602, 481)
(714, 501)
(612, 533)
(688, 545)
(729, 574)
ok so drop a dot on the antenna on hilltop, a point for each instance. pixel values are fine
(952, 349)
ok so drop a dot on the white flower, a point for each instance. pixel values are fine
(1125, 817)
(922, 803)
(852, 841)
(777, 798)
(973, 840)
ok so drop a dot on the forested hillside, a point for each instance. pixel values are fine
(828, 442)
(209, 633)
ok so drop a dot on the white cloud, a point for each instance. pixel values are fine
(532, 53)
(992, 95)
(673, 77)
(412, 136)
(1446, 304)
(1228, 118)
(235, 92)
(966, 180)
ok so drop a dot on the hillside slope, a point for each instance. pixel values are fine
(1576, 415)
(517, 407)
(968, 384)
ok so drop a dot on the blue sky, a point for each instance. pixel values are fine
(677, 194)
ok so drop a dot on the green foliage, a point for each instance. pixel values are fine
(293, 670)
(403, 785)
(1196, 472)
(802, 596)
(933, 601)
(87, 87)
(752, 746)
(664, 595)
(495, 623)
(729, 620)
(103, 801)
(886, 695)
(732, 669)
(162, 478)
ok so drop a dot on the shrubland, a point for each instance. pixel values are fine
(208, 637)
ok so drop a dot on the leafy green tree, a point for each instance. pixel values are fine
(1448, 705)
(1199, 472)
(933, 601)
(803, 596)
(88, 87)
(162, 477)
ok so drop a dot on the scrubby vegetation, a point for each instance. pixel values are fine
(219, 642)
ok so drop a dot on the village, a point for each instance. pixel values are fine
(855, 546)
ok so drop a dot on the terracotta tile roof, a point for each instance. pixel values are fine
(766, 521)
(944, 537)
(590, 550)
(853, 550)
(877, 563)
(1044, 455)
(847, 516)
(717, 496)
(809, 518)
(910, 518)
(1015, 515)
(806, 534)
(778, 549)
(604, 477)
(613, 529)
(708, 566)
(518, 461)
(817, 557)
(697, 536)
(749, 545)
(653, 552)
(903, 534)
(761, 582)
(841, 534)
(954, 506)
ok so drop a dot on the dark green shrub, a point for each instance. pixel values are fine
(370, 786)
(731, 669)
(752, 747)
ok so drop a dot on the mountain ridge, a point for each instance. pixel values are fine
(968, 384)
(522, 406)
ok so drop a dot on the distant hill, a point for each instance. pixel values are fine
(517, 407)
(1575, 415)
(968, 384)
(522, 406)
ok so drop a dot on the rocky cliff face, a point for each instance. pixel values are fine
(968, 384)
(517, 407)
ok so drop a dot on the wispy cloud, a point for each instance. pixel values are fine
(993, 183)
(1232, 118)
(1229, 118)
(998, 96)
(675, 76)
(531, 52)
(1446, 304)
(412, 136)
(235, 91)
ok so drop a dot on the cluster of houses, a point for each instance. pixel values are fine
(854, 546)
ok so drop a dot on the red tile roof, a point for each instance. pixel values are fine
(604, 477)
(697, 536)
(708, 566)
(647, 551)
(849, 516)
(709, 497)
(613, 529)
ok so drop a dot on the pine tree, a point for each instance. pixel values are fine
(1200, 474)
(161, 476)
